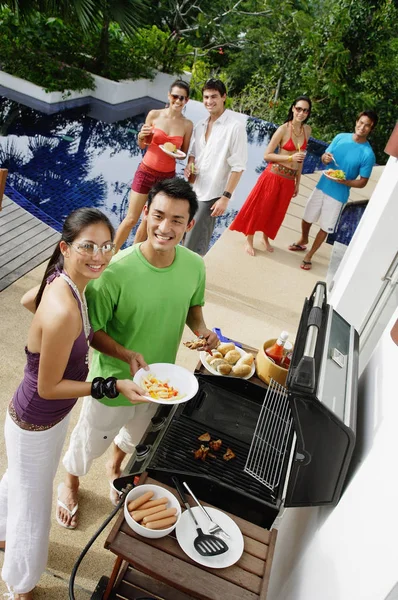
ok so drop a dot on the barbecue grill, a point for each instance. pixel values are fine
(293, 445)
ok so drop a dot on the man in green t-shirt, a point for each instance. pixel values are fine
(138, 309)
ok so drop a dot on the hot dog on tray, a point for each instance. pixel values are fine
(134, 504)
(138, 515)
(162, 524)
(169, 512)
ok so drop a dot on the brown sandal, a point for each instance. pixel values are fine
(306, 265)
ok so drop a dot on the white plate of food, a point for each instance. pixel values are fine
(186, 533)
(331, 174)
(229, 360)
(179, 154)
(167, 383)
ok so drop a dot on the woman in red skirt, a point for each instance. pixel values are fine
(267, 203)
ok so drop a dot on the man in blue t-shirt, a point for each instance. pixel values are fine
(352, 153)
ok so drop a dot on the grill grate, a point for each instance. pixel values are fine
(268, 448)
(175, 453)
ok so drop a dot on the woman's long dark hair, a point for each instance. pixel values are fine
(74, 223)
(290, 113)
(180, 83)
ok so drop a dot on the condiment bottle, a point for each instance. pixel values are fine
(286, 360)
(275, 352)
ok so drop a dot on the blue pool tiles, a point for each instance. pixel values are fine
(63, 161)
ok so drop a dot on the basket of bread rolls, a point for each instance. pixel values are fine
(228, 359)
(151, 511)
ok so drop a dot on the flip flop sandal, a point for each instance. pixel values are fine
(114, 494)
(297, 248)
(306, 265)
(72, 512)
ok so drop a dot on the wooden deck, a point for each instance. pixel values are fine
(25, 242)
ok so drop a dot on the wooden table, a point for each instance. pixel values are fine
(160, 568)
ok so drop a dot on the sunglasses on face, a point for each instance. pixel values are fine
(302, 110)
(178, 97)
(90, 249)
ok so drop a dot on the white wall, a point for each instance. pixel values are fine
(351, 552)
(371, 251)
(112, 92)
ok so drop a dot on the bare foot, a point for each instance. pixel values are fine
(268, 246)
(112, 473)
(69, 497)
(249, 249)
(2, 545)
(27, 596)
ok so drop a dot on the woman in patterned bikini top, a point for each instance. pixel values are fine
(267, 203)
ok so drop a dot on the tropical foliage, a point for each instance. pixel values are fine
(343, 54)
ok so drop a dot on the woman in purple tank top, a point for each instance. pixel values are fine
(54, 377)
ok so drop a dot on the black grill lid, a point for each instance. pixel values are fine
(322, 454)
(324, 417)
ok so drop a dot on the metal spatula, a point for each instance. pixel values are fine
(206, 545)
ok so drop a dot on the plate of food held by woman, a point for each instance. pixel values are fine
(171, 150)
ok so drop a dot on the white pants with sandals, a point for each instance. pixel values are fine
(99, 425)
(26, 491)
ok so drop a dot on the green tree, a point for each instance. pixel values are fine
(91, 15)
(342, 54)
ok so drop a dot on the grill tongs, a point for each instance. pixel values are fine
(206, 545)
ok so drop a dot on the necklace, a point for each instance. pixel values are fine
(83, 304)
(297, 134)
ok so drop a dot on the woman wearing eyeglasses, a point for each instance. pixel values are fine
(267, 203)
(54, 377)
(161, 126)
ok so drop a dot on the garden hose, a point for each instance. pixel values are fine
(123, 495)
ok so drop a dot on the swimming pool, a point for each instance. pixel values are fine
(67, 160)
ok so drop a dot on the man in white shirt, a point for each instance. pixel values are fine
(217, 159)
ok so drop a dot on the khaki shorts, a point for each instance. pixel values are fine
(323, 209)
(100, 425)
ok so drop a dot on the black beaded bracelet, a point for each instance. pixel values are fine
(227, 194)
(97, 388)
(110, 387)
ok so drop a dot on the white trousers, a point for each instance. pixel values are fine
(99, 425)
(26, 491)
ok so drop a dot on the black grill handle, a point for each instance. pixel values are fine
(304, 374)
(314, 320)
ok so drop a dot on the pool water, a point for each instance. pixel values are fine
(67, 160)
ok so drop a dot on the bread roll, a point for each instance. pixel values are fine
(218, 361)
(213, 355)
(226, 347)
(241, 370)
(246, 359)
(232, 357)
(224, 369)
